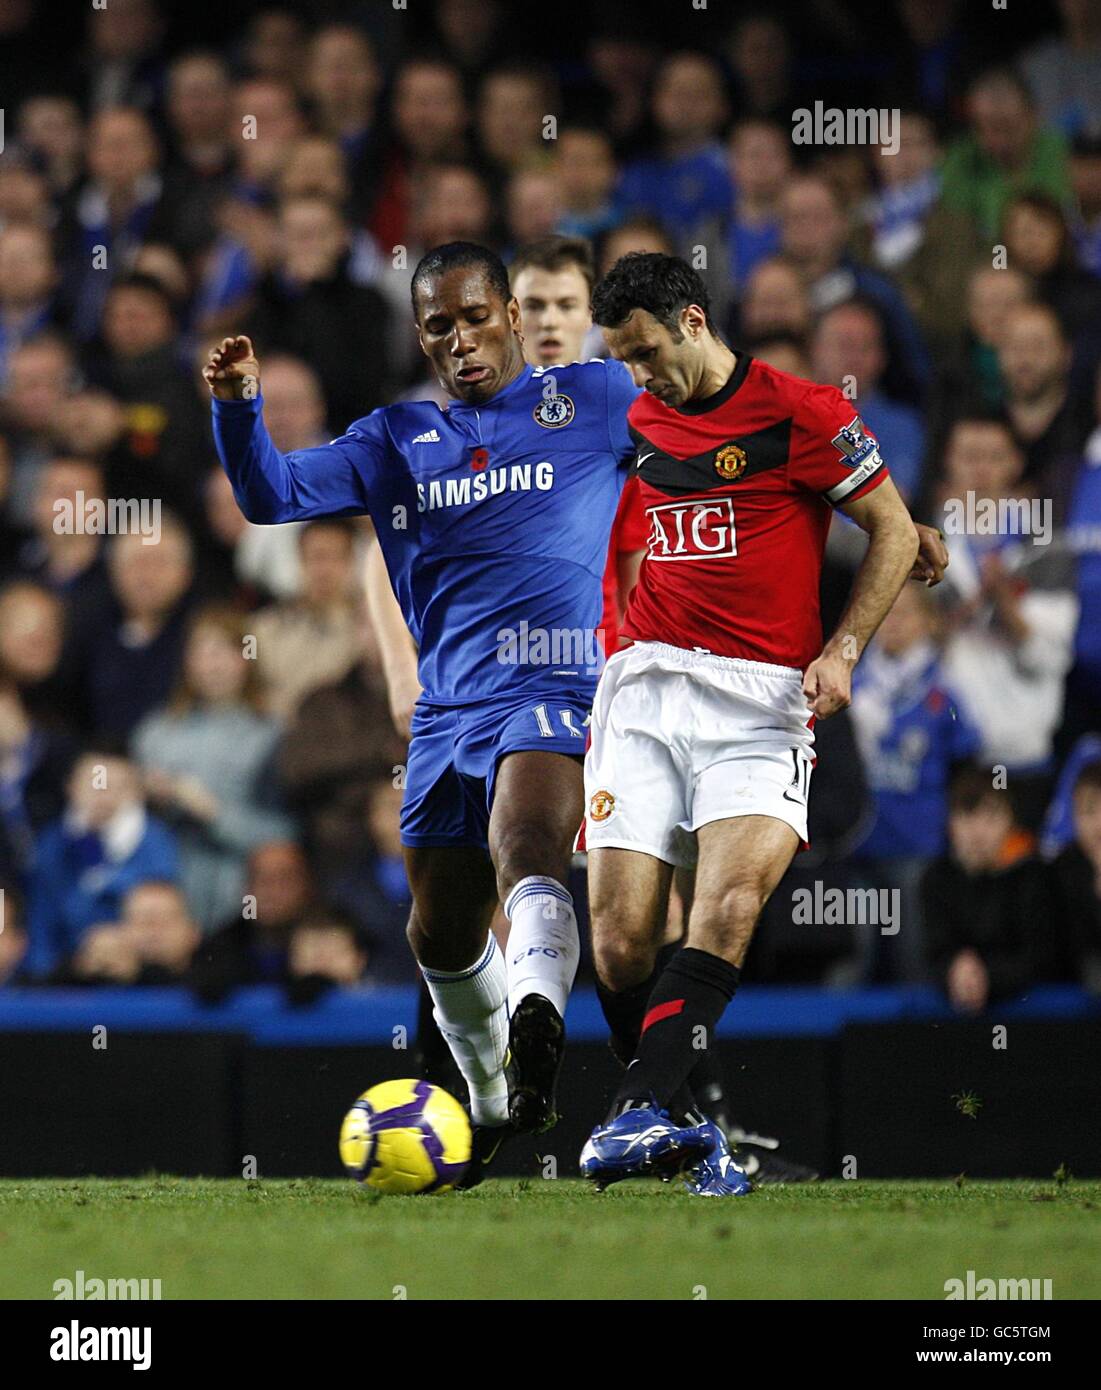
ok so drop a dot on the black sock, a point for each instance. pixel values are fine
(691, 994)
(624, 1010)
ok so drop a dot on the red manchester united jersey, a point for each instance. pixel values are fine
(738, 489)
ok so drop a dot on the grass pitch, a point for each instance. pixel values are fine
(533, 1239)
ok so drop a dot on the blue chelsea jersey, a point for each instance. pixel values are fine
(493, 519)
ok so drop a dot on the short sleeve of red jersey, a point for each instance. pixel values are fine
(632, 526)
(831, 451)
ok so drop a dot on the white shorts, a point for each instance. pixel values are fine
(682, 738)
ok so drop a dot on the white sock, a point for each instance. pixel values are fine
(470, 1010)
(543, 947)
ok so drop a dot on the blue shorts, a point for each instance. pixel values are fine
(455, 753)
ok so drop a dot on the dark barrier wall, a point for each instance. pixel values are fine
(884, 1096)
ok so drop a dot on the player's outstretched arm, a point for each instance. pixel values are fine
(271, 487)
(396, 645)
(892, 551)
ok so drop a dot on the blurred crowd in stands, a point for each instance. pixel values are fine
(200, 773)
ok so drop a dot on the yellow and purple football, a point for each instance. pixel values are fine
(405, 1137)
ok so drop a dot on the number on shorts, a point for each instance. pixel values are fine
(546, 728)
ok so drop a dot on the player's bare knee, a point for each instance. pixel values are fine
(621, 960)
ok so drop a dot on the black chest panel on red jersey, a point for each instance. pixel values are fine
(719, 467)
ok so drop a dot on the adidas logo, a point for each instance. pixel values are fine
(429, 437)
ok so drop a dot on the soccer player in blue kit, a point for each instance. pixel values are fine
(493, 517)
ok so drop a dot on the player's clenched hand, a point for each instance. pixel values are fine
(932, 556)
(827, 684)
(232, 371)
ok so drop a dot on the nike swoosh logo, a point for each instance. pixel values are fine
(643, 457)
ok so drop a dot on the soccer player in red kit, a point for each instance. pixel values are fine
(702, 729)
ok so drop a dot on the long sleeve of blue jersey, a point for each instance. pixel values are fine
(332, 480)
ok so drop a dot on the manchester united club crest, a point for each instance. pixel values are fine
(601, 805)
(730, 462)
(553, 412)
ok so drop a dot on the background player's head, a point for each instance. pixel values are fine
(656, 316)
(468, 320)
(552, 280)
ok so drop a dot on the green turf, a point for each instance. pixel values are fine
(547, 1239)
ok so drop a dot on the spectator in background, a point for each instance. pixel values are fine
(273, 45)
(635, 234)
(166, 443)
(28, 279)
(1050, 421)
(585, 163)
(41, 376)
(533, 206)
(327, 949)
(35, 759)
(848, 351)
(198, 173)
(1038, 241)
(775, 301)
(429, 117)
(268, 109)
(89, 859)
(32, 634)
(687, 182)
(1076, 881)
(1064, 73)
(153, 943)
(985, 904)
(208, 764)
(343, 83)
(760, 165)
(114, 213)
(338, 743)
(133, 659)
(759, 53)
(513, 103)
(1006, 151)
(969, 376)
(910, 234)
(50, 127)
(374, 889)
(315, 638)
(251, 948)
(1011, 625)
(70, 561)
(121, 56)
(911, 731)
(814, 233)
(1085, 177)
(309, 307)
(24, 192)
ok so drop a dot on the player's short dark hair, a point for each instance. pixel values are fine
(556, 253)
(466, 254)
(662, 285)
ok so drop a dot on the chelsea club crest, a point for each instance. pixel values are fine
(553, 412)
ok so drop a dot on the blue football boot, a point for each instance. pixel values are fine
(716, 1175)
(643, 1142)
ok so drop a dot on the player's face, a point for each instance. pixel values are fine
(469, 334)
(554, 314)
(667, 369)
